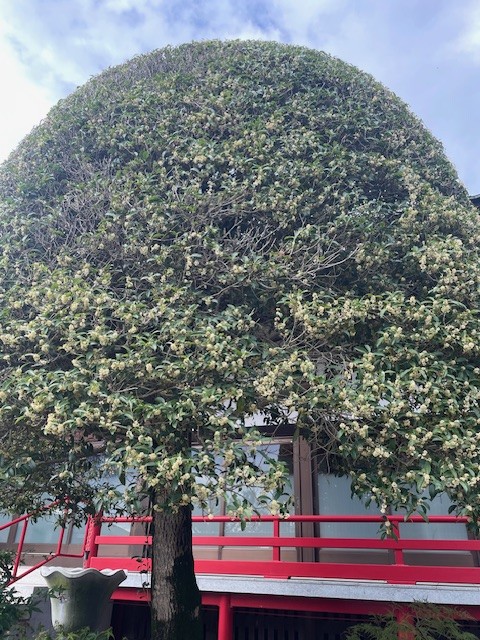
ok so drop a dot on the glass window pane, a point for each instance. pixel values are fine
(78, 534)
(334, 497)
(43, 531)
(116, 529)
(4, 519)
(278, 451)
(435, 531)
(205, 528)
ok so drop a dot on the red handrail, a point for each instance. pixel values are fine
(304, 518)
(397, 571)
(58, 553)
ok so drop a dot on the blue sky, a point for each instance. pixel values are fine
(427, 51)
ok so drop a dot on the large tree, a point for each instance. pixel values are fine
(220, 231)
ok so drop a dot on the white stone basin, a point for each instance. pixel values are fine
(82, 596)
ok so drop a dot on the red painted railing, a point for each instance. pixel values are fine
(448, 559)
(23, 522)
(393, 564)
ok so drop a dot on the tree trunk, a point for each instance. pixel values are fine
(175, 595)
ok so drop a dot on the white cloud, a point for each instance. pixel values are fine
(118, 6)
(23, 104)
(303, 21)
(468, 41)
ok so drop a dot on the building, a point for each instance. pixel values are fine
(317, 572)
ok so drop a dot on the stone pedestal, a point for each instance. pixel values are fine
(82, 597)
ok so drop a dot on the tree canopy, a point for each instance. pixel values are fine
(221, 230)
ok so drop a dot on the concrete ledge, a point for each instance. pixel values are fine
(436, 593)
(345, 589)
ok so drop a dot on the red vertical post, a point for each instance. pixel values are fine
(225, 618)
(18, 556)
(94, 528)
(276, 535)
(61, 535)
(406, 623)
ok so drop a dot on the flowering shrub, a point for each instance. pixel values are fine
(220, 231)
(421, 621)
(15, 609)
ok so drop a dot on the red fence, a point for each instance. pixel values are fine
(23, 522)
(398, 560)
(284, 555)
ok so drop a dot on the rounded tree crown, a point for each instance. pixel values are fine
(221, 230)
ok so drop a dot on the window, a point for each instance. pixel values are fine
(280, 449)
